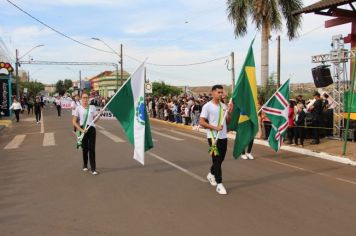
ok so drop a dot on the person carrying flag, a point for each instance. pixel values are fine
(212, 118)
(86, 114)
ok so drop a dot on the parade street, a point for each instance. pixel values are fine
(45, 192)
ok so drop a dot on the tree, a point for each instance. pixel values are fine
(267, 16)
(33, 87)
(265, 92)
(60, 89)
(162, 89)
(68, 84)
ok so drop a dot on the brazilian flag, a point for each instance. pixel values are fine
(244, 115)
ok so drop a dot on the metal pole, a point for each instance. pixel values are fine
(232, 72)
(17, 74)
(80, 83)
(279, 61)
(28, 76)
(145, 75)
(122, 66)
(349, 106)
(117, 77)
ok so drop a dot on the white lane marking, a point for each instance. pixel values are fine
(48, 140)
(101, 127)
(42, 123)
(167, 136)
(15, 142)
(111, 136)
(178, 167)
(187, 135)
(311, 171)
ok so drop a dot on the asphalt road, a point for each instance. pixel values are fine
(43, 190)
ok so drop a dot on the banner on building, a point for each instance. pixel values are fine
(4, 97)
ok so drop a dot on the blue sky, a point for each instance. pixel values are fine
(167, 32)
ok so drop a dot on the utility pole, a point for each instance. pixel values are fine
(145, 75)
(232, 72)
(117, 77)
(17, 74)
(279, 61)
(80, 83)
(28, 76)
(122, 66)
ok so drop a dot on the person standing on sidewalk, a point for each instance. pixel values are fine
(86, 113)
(211, 118)
(316, 110)
(58, 106)
(38, 107)
(300, 125)
(16, 107)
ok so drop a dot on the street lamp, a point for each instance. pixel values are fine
(17, 64)
(120, 62)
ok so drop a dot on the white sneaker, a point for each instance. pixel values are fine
(85, 169)
(243, 156)
(211, 179)
(221, 189)
(94, 173)
(249, 155)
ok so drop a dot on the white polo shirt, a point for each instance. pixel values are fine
(80, 112)
(74, 105)
(211, 112)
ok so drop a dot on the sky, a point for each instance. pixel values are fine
(165, 32)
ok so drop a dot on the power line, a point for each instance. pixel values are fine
(189, 64)
(177, 65)
(55, 30)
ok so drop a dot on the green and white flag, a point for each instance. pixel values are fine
(128, 106)
(276, 110)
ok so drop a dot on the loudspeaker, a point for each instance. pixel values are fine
(322, 76)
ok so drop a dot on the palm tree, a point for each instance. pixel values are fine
(267, 16)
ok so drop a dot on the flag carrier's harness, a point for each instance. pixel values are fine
(213, 150)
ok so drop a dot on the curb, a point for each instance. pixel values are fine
(303, 151)
(6, 123)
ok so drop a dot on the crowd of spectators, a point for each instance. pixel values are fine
(306, 119)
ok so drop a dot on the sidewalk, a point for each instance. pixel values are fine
(328, 149)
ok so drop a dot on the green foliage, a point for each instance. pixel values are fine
(242, 12)
(264, 93)
(33, 87)
(162, 89)
(60, 89)
(67, 84)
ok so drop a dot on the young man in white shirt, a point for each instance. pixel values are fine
(58, 105)
(86, 113)
(211, 118)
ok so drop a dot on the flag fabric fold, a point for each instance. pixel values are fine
(128, 106)
(244, 114)
(276, 110)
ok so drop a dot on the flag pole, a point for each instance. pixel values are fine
(273, 95)
(224, 118)
(106, 105)
(349, 106)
